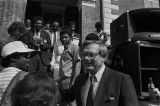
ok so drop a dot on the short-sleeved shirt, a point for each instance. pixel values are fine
(68, 60)
(8, 79)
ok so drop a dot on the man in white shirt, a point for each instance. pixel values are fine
(55, 35)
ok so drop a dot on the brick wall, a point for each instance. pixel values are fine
(10, 11)
(90, 15)
(110, 12)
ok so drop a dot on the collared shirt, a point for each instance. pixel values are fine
(99, 33)
(68, 59)
(96, 83)
(37, 34)
(54, 38)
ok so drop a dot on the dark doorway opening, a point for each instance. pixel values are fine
(50, 17)
(33, 8)
(71, 13)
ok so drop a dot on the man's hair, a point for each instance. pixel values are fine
(66, 31)
(37, 18)
(36, 89)
(27, 20)
(103, 50)
(98, 25)
(92, 37)
(16, 26)
(72, 23)
(55, 22)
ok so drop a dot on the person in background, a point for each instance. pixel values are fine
(99, 31)
(100, 85)
(48, 28)
(15, 58)
(28, 24)
(17, 32)
(76, 38)
(41, 43)
(92, 37)
(36, 89)
(56, 49)
(55, 36)
(70, 62)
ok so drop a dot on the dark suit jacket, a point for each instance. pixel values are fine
(115, 89)
(45, 53)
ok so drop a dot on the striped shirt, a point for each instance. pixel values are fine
(6, 76)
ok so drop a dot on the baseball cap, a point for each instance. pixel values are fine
(15, 47)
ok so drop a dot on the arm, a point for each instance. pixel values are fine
(67, 95)
(128, 93)
(76, 72)
(55, 55)
(77, 64)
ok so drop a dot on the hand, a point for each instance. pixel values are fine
(38, 41)
(66, 83)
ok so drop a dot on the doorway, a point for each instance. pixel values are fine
(51, 13)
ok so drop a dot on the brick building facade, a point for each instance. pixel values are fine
(10, 11)
(91, 12)
(108, 10)
(90, 15)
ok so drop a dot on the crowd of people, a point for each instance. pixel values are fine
(48, 65)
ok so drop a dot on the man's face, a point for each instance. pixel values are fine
(48, 27)
(22, 61)
(72, 27)
(65, 39)
(38, 25)
(55, 26)
(92, 59)
(18, 34)
(28, 23)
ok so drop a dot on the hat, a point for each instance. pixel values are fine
(15, 47)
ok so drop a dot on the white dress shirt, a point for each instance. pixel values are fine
(54, 37)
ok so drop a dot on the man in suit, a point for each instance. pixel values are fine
(100, 85)
(28, 24)
(39, 40)
(56, 45)
(55, 35)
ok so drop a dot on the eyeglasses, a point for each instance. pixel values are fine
(26, 55)
(90, 55)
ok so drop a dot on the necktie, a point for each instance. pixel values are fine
(55, 39)
(52, 38)
(90, 93)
